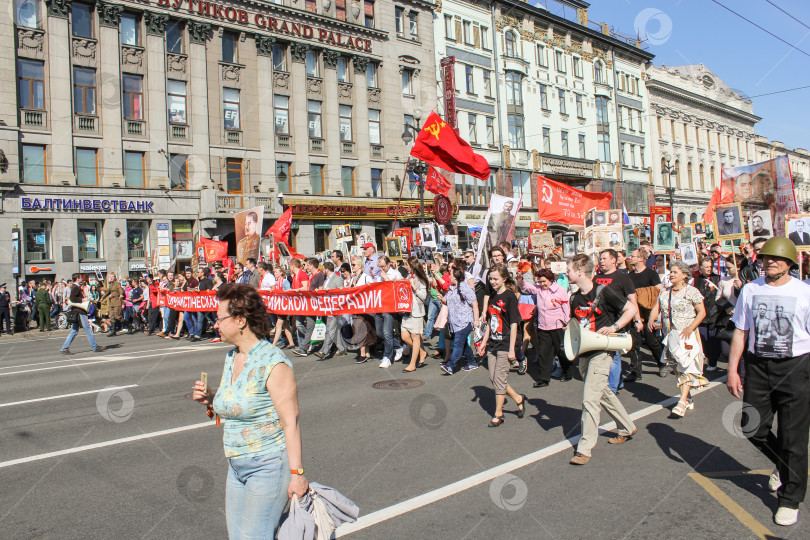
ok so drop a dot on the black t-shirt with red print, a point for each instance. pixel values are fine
(501, 313)
(617, 281)
(606, 312)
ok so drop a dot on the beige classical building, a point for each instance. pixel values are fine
(799, 166)
(700, 126)
(202, 109)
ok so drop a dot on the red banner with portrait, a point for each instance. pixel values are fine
(384, 297)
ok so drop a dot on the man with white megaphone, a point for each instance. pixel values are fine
(603, 311)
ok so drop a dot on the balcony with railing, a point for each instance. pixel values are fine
(85, 123)
(283, 142)
(233, 137)
(178, 132)
(316, 145)
(377, 151)
(135, 128)
(347, 148)
(37, 118)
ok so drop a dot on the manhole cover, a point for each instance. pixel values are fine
(398, 384)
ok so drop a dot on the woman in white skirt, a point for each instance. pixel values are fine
(413, 325)
(682, 309)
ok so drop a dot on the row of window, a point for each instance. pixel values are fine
(472, 190)
(514, 95)
(90, 233)
(703, 138)
(676, 176)
(632, 155)
(630, 119)
(407, 23)
(468, 32)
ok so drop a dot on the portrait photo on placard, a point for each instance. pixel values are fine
(589, 218)
(686, 235)
(728, 221)
(698, 229)
(798, 229)
(614, 217)
(600, 217)
(343, 231)
(363, 239)
(393, 247)
(569, 245)
(428, 233)
(663, 237)
(760, 225)
(689, 253)
(615, 240)
(631, 239)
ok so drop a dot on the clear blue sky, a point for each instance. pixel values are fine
(743, 56)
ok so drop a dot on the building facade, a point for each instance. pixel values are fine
(799, 159)
(538, 93)
(700, 126)
(199, 110)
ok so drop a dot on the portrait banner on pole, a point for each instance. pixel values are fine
(498, 224)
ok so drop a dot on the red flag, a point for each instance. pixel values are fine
(281, 228)
(564, 204)
(436, 183)
(228, 263)
(214, 250)
(440, 145)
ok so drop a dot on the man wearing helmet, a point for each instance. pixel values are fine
(773, 336)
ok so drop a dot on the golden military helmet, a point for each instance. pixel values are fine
(779, 246)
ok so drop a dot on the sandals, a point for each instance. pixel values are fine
(437, 354)
(681, 408)
(522, 406)
(496, 421)
(421, 364)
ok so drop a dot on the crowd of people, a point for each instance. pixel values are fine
(689, 318)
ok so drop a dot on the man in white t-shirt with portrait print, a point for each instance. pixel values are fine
(772, 319)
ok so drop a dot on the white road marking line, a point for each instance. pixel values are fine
(67, 395)
(104, 444)
(122, 353)
(105, 360)
(384, 514)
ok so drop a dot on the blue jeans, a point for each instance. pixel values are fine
(164, 311)
(615, 378)
(462, 348)
(74, 329)
(433, 311)
(199, 323)
(390, 342)
(189, 319)
(255, 495)
(54, 311)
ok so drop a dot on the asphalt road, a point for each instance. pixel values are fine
(140, 460)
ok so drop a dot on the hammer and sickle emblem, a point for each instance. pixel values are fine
(547, 194)
(434, 129)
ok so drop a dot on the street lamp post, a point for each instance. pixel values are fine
(418, 167)
(669, 172)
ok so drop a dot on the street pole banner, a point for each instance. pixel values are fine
(384, 297)
(769, 183)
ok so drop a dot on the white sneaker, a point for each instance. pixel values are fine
(774, 482)
(786, 516)
(398, 354)
(386, 362)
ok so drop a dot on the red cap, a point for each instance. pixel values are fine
(368, 245)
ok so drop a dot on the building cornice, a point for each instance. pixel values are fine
(703, 101)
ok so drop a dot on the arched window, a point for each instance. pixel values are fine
(681, 218)
(693, 218)
(598, 74)
(509, 49)
(689, 175)
(702, 179)
(678, 173)
(664, 179)
(711, 173)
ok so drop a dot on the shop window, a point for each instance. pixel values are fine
(347, 180)
(376, 182)
(183, 239)
(37, 240)
(130, 29)
(178, 171)
(234, 175)
(33, 164)
(81, 19)
(635, 197)
(322, 239)
(90, 241)
(31, 84)
(27, 13)
(87, 166)
(175, 42)
(283, 177)
(316, 179)
(137, 239)
(134, 169)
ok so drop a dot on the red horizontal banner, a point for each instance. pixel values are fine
(385, 297)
